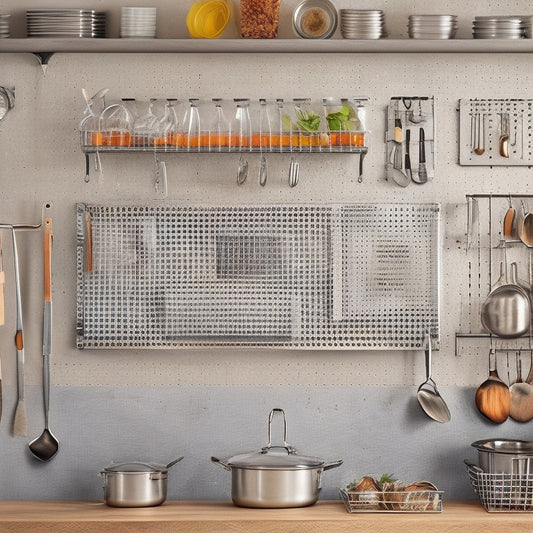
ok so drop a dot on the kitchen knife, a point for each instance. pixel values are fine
(422, 170)
(408, 169)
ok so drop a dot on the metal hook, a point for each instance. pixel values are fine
(44, 207)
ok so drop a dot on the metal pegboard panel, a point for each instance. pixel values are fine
(410, 139)
(495, 132)
(294, 276)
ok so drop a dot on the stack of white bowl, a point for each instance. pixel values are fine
(362, 24)
(432, 26)
(527, 25)
(4, 25)
(138, 22)
(499, 27)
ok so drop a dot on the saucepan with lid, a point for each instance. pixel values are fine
(275, 476)
(136, 484)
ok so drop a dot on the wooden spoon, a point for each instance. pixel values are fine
(522, 397)
(493, 398)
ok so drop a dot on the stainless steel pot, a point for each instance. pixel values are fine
(275, 476)
(505, 456)
(135, 484)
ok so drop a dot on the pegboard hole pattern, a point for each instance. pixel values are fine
(359, 276)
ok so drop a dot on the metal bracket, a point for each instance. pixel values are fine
(43, 58)
(45, 207)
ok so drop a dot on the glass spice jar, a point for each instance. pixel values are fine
(259, 19)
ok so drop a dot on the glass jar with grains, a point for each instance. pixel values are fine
(259, 19)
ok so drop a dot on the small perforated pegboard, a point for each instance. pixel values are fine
(495, 132)
(294, 276)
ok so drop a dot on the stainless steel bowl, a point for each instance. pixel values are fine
(315, 19)
(136, 484)
(505, 456)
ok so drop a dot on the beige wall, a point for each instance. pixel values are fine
(42, 160)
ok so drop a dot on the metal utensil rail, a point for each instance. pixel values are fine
(486, 246)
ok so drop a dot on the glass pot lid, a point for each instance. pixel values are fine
(276, 457)
(135, 466)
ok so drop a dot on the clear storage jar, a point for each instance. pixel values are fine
(259, 19)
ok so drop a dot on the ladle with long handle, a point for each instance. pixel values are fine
(493, 398)
(428, 396)
(521, 395)
(46, 445)
(526, 233)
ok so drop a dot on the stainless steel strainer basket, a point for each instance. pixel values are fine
(502, 492)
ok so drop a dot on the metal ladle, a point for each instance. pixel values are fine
(428, 396)
(46, 445)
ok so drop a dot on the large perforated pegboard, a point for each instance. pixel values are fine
(324, 277)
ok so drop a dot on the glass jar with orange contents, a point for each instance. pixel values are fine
(345, 119)
(241, 127)
(116, 124)
(166, 128)
(219, 128)
(261, 125)
(190, 134)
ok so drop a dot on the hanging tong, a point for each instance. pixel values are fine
(19, 421)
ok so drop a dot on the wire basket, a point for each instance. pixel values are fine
(410, 501)
(502, 492)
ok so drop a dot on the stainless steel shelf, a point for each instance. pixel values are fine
(379, 46)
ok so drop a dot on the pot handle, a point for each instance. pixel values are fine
(471, 467)
(224, 465)
(334, 464)
(285, 444)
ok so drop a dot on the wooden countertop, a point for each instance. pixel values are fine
(218, 517)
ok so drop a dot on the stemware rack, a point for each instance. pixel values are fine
(240, 125)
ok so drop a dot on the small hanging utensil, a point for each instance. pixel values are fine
(509, 222)
(493, 398)
(242, 170)
(479, 148)
(46, 445)
(294, 172)
(422, 169)
(504, 137)
(19, 422)
(428, 396)
(521, 395)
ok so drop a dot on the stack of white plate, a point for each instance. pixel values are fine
(362, 24)
(432, 26)
(4, 25)
(65, 23)
(138, 22)
(527, 25)
(498, 27)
